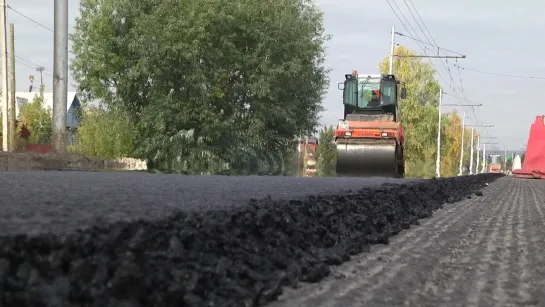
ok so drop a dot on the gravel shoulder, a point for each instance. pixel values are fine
(483, 251)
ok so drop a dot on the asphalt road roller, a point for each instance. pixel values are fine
(370, 138)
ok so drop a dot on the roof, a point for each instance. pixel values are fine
(48, 98)
(371, 76)
(27, 97)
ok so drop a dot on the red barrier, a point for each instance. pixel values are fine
(533, 165)
(39, 148)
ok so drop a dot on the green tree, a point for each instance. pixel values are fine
(37, 118)
(326, 153)
(418, 112)
(107, 134)
(225, 88)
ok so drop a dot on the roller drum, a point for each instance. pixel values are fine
(367, 158)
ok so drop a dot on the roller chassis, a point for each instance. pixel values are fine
(370, 140)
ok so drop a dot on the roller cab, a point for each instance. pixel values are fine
(369, 138)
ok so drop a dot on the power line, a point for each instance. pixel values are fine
(29, 64)
(445, 64)
(31, 19)
(405, 27)
(418, 40)
(454, 96)
(417, 23)
(500, 74)
(429, 44)
(23, 61)
(430, 39)
(453, 85)
(27, 61)
(28, 18)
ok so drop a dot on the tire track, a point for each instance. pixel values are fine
(531, 265)
(523, 244)
(444, 282)
(417, 255)
(407, 239)
(485, 247)
(486, 251)
(380, 267)
(503, 257)
(381, 271)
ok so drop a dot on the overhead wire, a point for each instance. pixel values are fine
(500, 74)
(23, 61)
(431, 42)
(418, 38)
(33, 20)
(444, 62)
(29, 65)
(406, 29)
(28, 18)
(32, 65)
(447, 68)
(457, 97)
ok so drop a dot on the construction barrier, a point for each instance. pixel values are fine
(533, 165)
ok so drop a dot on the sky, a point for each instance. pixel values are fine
(496, 36)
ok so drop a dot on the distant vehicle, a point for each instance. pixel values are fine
(495, 164)
(309, 155)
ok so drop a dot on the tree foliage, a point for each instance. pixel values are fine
(107, 134)
(326, 153)
(37, 119)
(225, 88)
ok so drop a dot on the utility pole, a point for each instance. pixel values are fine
(438, 159)
(5, 120)
(485, 160)
(41, 70)
(60, 75)
(478, 154)
(460, 173)
(392, 48)
(472, 145)
(305, 157)
(12, 125)
(471, 154)
(505, 160)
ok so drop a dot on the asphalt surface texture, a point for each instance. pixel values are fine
(133, 239)
(486, 251)
(35, 202)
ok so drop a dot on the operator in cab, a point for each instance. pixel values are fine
(375, 99)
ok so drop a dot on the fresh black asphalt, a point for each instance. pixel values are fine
(38, 202)
(136, 239)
